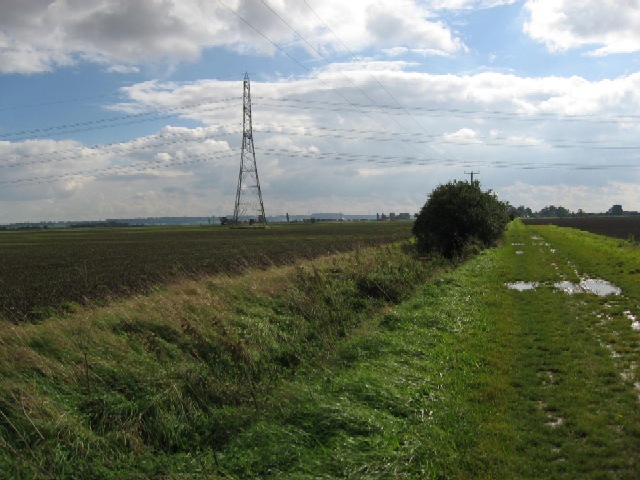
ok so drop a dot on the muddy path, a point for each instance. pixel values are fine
(570, 332)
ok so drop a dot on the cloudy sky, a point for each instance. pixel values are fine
(133, 108)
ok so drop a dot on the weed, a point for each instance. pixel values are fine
(186, 367)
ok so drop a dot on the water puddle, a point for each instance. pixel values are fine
(600, 287)
(568, 287)
(522, 286)
(635, 324)
(553, 420)
(596, 286)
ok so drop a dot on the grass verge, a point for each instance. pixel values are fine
(466, 380)
(295, 373)
(158, 384)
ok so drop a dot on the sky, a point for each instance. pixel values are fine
(134, 108)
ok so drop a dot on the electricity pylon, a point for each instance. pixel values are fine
(249, 207)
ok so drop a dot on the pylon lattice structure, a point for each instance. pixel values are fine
(249, 207)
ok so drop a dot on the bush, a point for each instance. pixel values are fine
(459, 218)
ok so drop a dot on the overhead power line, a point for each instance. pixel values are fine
(366, 68)
(170, 140)
(295, 60)
(131, 169)
(301, 104)
(110, 122)
(334, 157)
(57, 102)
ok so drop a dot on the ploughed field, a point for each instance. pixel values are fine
(45, 271)
(615, 226)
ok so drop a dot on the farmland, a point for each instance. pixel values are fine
(622, 227)
(368, 364)
(44, 272)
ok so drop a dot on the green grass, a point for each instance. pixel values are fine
(139, 386)
(370, 365)
(466, 380)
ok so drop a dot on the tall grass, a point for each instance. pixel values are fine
(161, 382)
(467, 379)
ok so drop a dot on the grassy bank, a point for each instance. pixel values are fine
(319, 372)
(161, 383)
(469, 379)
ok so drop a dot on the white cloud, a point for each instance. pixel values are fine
(306, 134)
(68, 168)
(566, 24)
(468, 4)
(122, 69)
(403, 23)
(464, 136)
(321, 147)
(38, 36)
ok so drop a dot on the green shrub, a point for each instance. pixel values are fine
(459, 218)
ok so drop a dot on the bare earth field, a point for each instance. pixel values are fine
(617, 227)
(43, 271)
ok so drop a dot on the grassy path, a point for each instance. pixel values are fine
(290, 374)
(471, 379)
(572, 404)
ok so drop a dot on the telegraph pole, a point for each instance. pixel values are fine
(248, 204)
(472, 173)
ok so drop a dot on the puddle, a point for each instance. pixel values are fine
(600, 287)
(555, 422)
(522, 286)
(635, 324)
(596, 286)
(568, 287)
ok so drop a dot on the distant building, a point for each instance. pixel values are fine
(393, 216)
(326, 216)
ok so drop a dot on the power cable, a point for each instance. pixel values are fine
(363, 65)
(309, 105)
(358, 135)
(57, 102)
(461, 113)
(328, 62)
(120, 120)
(296, 61)
(107, 150)
(140, 167)
(135, 168)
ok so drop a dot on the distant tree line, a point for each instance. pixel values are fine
(561, 212)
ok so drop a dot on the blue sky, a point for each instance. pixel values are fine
(116, 108)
